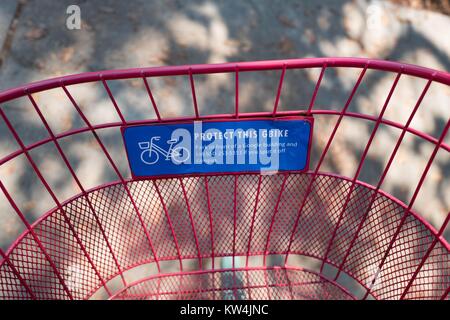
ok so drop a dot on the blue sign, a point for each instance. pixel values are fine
(258, 145)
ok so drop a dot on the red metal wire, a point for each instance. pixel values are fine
(83, 191)
(170, 224)
(123, 294)
(210, 221)
(114, 166)
(316, 88)
(218, 216)
(17, 274)
(150, 95)
(413, 70)
(253, 220)
(394, 85)
(113, 100)
(236, 89)
(275, 211)
(416, 192)
(426, 255)
(192, 224)
(69, 133)
(322, 157)
(393, 154)
(444, 296)
(194, 96)
(280, 86)
(234, 219)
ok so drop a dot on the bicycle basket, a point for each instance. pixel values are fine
(338, 230)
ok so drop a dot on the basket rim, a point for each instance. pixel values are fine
(299, 63)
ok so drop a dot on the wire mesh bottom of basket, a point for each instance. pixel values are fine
(237, 284)
(287, 243)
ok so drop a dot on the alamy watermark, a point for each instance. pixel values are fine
(73, 21)
(374, 279)
(374, 13)
(213, 146)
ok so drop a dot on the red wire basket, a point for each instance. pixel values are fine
(317, 234)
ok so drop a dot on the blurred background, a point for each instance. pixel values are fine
(36, 43)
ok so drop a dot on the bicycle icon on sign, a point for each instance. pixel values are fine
(151, 151)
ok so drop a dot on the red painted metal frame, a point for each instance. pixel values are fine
(437, 234)
(284, 66)
(321, 276)
(408, 69)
